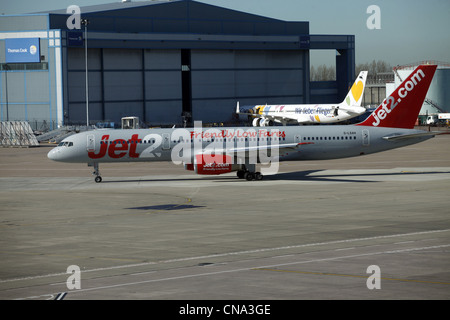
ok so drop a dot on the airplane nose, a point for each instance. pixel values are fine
(53, 154)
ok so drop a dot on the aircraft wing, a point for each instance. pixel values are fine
(244, 151)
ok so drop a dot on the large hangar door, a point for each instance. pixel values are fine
(220, 78)
(125, 82)
(163, 98)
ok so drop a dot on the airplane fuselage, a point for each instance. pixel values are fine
(222, 150)
(308, 114)
(314, 142)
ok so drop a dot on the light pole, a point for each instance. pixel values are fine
(85, 22)
(6, 67)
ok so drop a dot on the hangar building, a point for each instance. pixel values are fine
(159, 60)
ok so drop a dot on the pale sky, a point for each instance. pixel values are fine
(411, 30)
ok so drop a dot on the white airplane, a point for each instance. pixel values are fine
(216, 151)
(267, 115)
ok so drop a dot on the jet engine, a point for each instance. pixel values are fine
(212, 164)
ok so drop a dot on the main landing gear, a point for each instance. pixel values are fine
(96, 172)
(249, 176)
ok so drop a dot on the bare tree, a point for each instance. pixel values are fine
(374, 67)
(328, 73)
(322, 73)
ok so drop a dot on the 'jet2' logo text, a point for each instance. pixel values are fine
(389, 104)
(117, 149)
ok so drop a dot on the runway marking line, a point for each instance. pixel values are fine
(196, 275)
(347, 275)
(230, 254)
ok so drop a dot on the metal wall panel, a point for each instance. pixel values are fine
(25, 23)
(163, 98)
(16, 112)
(163, 112)
(77, 88)
(212, 59)
(123, 85)
(76, 61)
(213, 84)
(37, 113)
(163, 85)
(114, 111)
(213, 110)
(162, 59)
(16, 87)
(77, 113)
(120, 59)
(37, 87)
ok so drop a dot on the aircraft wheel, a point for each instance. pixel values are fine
(98, 179)
(258, 176)
(262, 122)
(249, 176)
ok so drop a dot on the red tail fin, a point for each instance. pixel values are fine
(401, 108)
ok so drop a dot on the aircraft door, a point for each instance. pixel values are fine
(365, 138)
(297, 138)
(166, 141)
(90, 143)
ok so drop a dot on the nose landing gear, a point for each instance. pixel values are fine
(96, 172)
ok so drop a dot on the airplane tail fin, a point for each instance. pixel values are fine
(354, 96)
(237, 108)
(402, 107)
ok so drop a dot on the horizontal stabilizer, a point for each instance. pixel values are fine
(396, 137)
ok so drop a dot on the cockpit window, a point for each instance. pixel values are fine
(65, 144)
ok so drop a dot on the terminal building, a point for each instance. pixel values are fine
(161, 61)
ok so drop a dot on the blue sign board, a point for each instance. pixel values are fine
(304, 42)
(22, 50)
(75, 38)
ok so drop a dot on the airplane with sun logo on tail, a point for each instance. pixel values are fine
(214, 151)
(268, 115)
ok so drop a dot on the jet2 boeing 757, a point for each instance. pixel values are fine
(216, 151)
(309, 113)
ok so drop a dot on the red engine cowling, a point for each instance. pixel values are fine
(212, 164)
